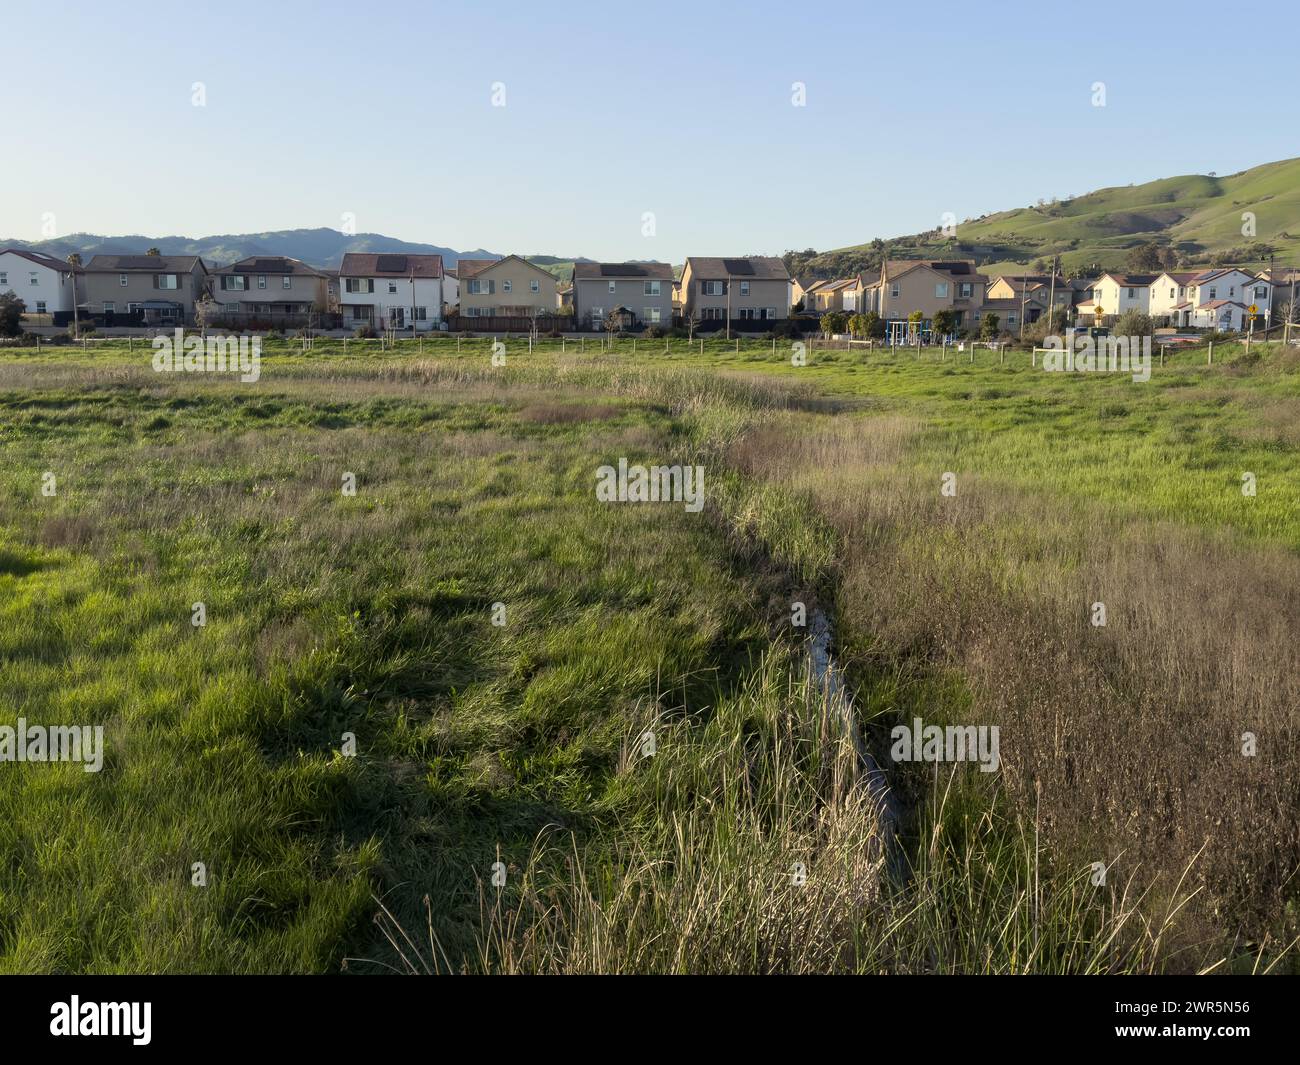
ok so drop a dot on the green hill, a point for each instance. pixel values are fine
(1195, 220)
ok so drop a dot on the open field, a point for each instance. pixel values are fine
(373, 615)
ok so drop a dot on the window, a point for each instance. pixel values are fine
(506, 285)
(651, 288)
(941, 290)
(392, 286)
(597, 313)
(966, 289)
(121, 280)
(476, 287)
(1171, 293)
(35, 280)
(1011, 318)
(1232, 291)
(651, 315)
(744, 288)
(1130, 296)
(359, 284)
(1261, 292)
(771, 314)
(893, 291)
(232, 283)
(168, 281)
(1213, 292)
(228, 306)
(420, 314)
(611, 288)
(536, 286)
(286, 281)
(713, 288)
(109, 306)
(747, 313)
(261, 281)
(40, 306)
(4, 278)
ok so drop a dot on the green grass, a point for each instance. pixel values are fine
(372, 615)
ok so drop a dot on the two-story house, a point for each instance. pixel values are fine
(511, 287)
(277, 290)
(391, 291)
(1116, 294)
(743, 290)
(47, 286)
(637, 294)
(1221, 298)
(902, 287)
(143, 289)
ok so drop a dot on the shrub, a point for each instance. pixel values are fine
(655, 332)
(364, 332)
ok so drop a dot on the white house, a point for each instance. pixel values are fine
(1220, 299)
(391, 291)
(44, 284)
(1169, 293)
(1117, 293)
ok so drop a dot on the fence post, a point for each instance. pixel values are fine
(701, 345)
(1002, 356)
(1209, 355)
(564, 345)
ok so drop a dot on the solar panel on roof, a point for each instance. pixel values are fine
(622, 270)
(738, 266)
(139, 262)
(391, 264)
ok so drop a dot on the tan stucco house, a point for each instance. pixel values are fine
(755, 288)
(505, 288)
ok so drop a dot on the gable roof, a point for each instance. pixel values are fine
(146, 264)
(367, 264)
(269, 264)
(605, 271)
(47, 261)
(952, 268)
(1131, 280)
(750, 267)
(467, 268)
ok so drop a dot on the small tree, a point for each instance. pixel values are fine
(990, 326)
(12, 310)
(858, 325)
(914, 321)
(154, 252)
(1133, 324)
(874, 325)
(1144, 257)
(945, 322)
(833, 322)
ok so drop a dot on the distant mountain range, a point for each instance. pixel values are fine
(320, 247)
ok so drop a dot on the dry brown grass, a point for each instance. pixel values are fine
(1134, 730)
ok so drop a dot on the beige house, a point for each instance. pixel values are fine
(901, 287)
(278, 290)
(1032, 293)
(505, 288)
(753, 289)
(143, 289)
(828, 296)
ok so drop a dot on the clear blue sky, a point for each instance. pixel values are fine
(614, 109)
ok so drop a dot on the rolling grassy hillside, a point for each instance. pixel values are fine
(1198, 216)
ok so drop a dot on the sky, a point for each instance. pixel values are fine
(614, 130)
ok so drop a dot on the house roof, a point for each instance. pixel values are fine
(844, 282)
(758, 267)
(48, 261)
(150, 264)
(269, 264)
(1182, 276)
(1132, 280)
(599, 271)
(954, 268)
(367, 264)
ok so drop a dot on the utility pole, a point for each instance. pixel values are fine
(1290, 311)
(1051, 298)
(728, 305)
